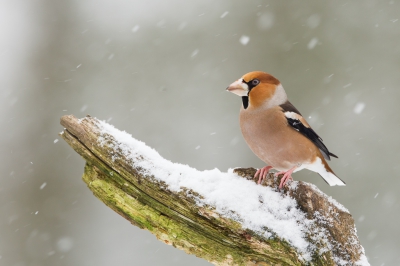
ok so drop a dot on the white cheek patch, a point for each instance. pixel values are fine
(279, 97)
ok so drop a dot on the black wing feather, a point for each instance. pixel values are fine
(311, 135)
(306, 131)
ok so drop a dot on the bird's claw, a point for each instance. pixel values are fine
(262, 173)
(284, 180)
(287, 175)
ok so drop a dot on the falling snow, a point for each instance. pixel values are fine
(182, 26)
(135, 28)
(312, 43)
(359, 108)
(224, 14)
(347, 85)
(65, 244)
(313, 21)
(83, 108)
(266, 20)
(244, 40)
(194, 53)
(43, 185)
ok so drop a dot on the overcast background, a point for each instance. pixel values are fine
(158, 69)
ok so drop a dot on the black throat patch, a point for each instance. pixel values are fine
(245, 100)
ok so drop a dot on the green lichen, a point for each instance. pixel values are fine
(128, 201)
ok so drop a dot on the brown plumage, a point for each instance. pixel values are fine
(276, 131)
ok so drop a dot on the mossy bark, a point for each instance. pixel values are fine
(173, 218)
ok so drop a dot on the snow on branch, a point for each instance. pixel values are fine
(223, 217)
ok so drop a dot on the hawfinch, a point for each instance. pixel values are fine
(276, 131)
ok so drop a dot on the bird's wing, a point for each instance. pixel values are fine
(297, 122)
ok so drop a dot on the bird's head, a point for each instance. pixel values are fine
(257, 89)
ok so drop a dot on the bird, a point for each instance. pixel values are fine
(276, 131)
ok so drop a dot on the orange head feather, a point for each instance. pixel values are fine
(264, 90)
(259, 87)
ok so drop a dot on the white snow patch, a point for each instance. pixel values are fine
(263, 210)
(363, 261)
(43, 185)
(330, 199)
(312, 43)
(244, 40)
(232, 196)
(359, 108)
(224, 14)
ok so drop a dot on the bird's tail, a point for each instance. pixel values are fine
(322, 168)
(332, 179)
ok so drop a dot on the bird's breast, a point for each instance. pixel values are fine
(272, 140)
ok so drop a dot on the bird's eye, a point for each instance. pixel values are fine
(255, 82)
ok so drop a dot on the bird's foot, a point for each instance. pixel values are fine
(262, 173)
(287, 175)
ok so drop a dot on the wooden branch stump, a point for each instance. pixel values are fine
(176, 217)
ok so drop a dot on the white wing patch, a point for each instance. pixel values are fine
(292, 115)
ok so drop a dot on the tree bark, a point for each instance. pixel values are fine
(176, 218)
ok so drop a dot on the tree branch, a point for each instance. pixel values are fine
(182, 217)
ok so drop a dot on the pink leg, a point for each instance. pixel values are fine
(286, 176)
(263, 173)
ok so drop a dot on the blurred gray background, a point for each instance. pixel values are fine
(159, 69)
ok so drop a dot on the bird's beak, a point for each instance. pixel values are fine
(239, 88)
